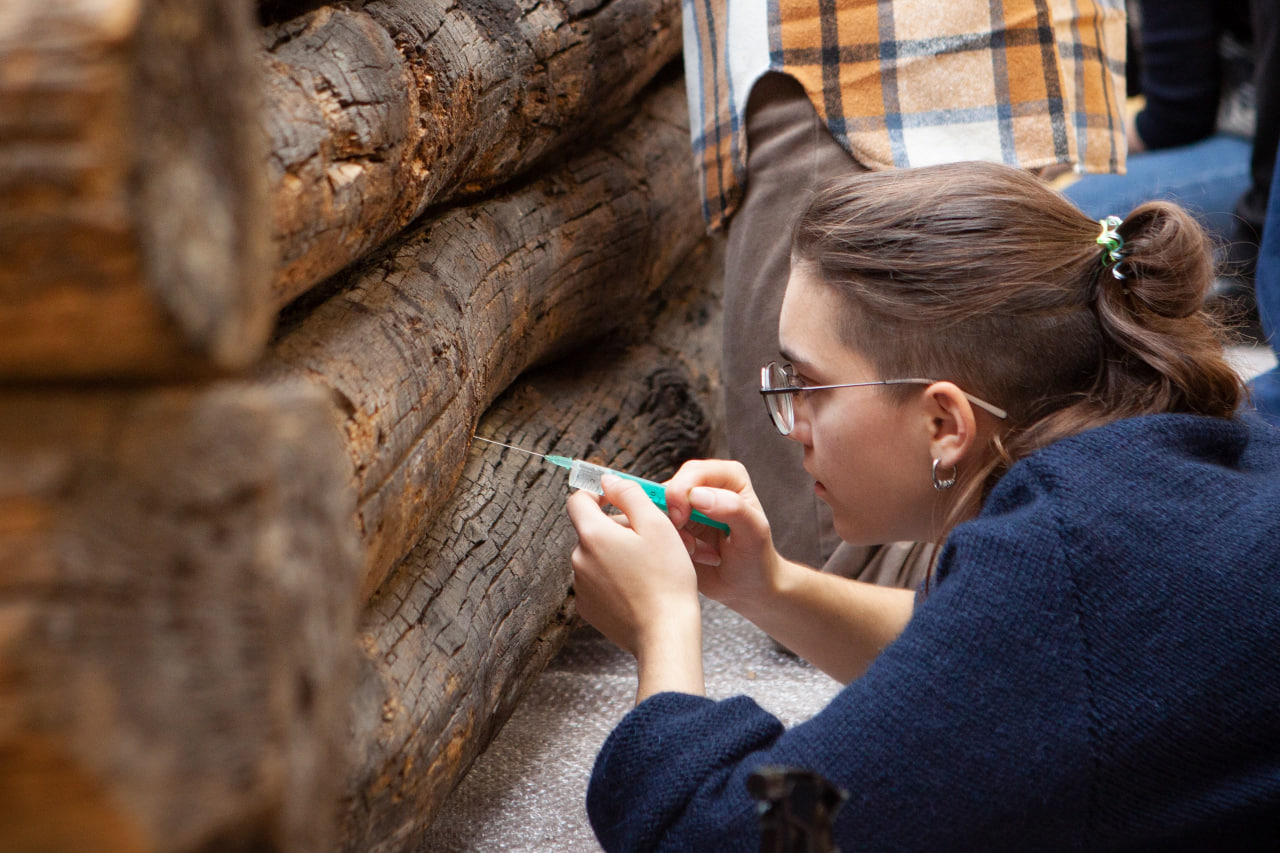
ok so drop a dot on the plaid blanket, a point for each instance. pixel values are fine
(1031, 83)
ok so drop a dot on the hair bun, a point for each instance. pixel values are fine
(1167, 261)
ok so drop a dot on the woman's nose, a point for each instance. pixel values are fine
(800, 430)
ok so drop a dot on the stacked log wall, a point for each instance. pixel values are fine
(420, 339)
(190, 536)
(378, 112)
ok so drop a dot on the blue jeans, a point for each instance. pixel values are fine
(1207, 178)
(1266, 387)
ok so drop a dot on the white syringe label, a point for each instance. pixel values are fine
(585, 476)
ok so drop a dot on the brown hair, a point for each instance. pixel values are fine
(979, 274)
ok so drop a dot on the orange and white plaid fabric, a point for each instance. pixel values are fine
(905, 83)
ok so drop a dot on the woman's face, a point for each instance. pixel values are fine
(868, 452)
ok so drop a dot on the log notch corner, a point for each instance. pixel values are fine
(177, 608)
(134, 237)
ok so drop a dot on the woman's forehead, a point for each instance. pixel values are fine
(809, 326)
(809, 316)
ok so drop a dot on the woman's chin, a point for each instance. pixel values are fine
(845, 529)
(855, 534)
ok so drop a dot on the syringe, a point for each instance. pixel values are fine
(585, 475)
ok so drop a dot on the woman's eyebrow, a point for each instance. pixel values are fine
(791, 358)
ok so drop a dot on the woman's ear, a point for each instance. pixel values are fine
(953, 425)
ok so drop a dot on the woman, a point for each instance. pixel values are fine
(967, 359)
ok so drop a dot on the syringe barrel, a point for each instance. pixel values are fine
(586, 476)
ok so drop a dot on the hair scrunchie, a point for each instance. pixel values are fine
(1112, 244)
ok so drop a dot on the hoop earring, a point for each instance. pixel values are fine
(943, 485)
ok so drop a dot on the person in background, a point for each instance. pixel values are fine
(1207, 133)
(966, 358)
(1264, 389)
(783, 95)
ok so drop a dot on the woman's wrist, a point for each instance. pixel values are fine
(669, 656)
(780, 577)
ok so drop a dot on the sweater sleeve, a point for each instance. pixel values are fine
(971, 731)
(671, 751)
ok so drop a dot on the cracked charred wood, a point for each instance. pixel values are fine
(467, 621)
(377, 112)
(133, 200)
(178, 578)
(417, 343)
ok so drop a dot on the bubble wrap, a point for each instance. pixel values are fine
(527, 791)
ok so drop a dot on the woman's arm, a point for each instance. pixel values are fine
(980, 715)
(637, 583)
(838, 625)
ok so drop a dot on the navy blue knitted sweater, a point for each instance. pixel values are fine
(1097, 667)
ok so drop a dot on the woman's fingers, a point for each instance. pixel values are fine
(639, 515)
(584, 510)
(707, 473)
(629, 579)
(717, 473)
(740, 510)
(705, 553)
(631, 499)
(690, 541)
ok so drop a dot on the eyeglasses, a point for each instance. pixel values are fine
(778, 385)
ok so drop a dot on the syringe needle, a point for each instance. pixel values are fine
(510, 446)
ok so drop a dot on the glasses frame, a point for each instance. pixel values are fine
(767, 391)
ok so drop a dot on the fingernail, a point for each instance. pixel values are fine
(702, 498)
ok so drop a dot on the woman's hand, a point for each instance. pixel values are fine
(737, 569)
(837, 624)
(638, 586)
(635, 583)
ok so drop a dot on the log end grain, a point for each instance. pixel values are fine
(178, 578)
(133, 235)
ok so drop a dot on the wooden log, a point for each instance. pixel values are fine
(473, 614)
(132, 194)
(177, 614)
(420, 340)
(375, 112)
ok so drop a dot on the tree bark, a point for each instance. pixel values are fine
(132, 195)
(375, 113)
(177, 608)
(425, 336)
(473, 614)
